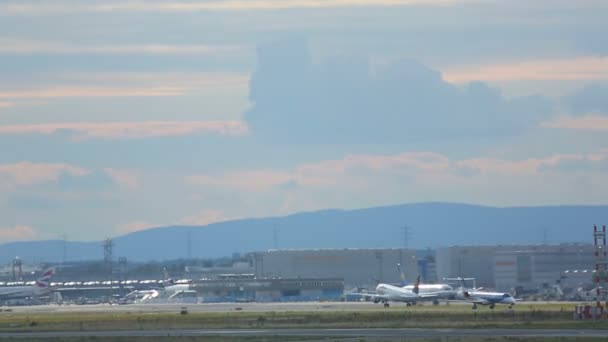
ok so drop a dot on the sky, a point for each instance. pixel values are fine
(120, 116)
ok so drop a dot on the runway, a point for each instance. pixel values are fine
(204, 307)
(245, 307)
(344, 333)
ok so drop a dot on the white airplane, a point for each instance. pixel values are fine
(478, 297)
(386, 293)
(442, 291)
(41, 287)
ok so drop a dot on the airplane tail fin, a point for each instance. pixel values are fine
(402, 275)
(167, 280)
(417, 285)
(45, 279)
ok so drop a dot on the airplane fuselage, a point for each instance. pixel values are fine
(488, 298)
(442, 291)
(395, 293)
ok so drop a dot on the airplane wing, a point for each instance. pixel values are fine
(370, 295)
(429, 295)
(479, 301)
(10, 294)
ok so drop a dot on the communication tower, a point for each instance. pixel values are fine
(601, 265)
(17, 271)
(122, 267)
(108, 245)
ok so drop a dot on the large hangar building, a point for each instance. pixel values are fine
(358, 267)
(505, 267)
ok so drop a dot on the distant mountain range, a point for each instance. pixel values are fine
(430, 225)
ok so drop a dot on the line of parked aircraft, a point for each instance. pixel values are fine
(410, 294)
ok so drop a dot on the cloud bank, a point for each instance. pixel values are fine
(22, 8)
(344, 100)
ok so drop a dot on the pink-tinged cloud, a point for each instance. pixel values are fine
(18, 233)
(325, 173)
(27, 173)
(421, 160)
(567, 69)
(60, 92)
(501, 167)
(180, 80)
(28, 47)
(201, 218)
(205, 217)
(127, 178)
(58, 7)
(5, 104)
(130, 130)
(366, 172)
(591, 122)
(136, 226)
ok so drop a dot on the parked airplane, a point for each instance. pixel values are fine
(386, 292)
(478, 297)
(41, 287)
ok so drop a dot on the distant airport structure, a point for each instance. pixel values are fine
(497, 267)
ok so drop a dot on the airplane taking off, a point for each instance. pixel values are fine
(41, 287)
(478, 297)
(386, 292)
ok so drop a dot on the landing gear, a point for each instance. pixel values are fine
(492, 306)
(474, 306)
(386, 304)
(408, 304)
(435, 302)
(510, 306)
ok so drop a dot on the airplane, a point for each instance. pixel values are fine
(443, 291)
(386, 292)
(171, 285)
(41, 287)
(478, 297)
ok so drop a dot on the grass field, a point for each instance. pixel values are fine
(533, 316)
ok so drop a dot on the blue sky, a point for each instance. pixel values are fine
(119, 116)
